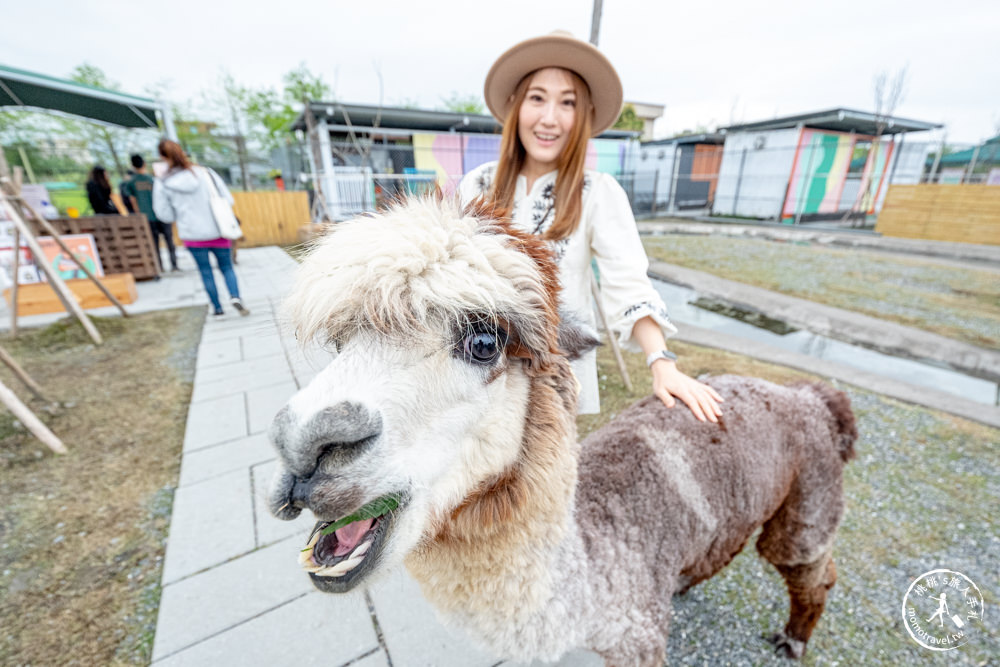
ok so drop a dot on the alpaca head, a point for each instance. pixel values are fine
(442, 319)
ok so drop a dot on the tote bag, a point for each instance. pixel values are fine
(229, 226)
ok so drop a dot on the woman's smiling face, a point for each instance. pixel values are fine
(546, 118)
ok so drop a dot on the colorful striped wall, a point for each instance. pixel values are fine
(819, 172)
(450, 156)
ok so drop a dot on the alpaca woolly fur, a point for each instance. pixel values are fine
(451, 397)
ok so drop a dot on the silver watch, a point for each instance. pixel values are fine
(662, 354)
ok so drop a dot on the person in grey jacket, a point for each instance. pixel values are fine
(182, 196)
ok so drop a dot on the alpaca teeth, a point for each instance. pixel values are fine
(341, 568)
(338, 570)
(362, 549)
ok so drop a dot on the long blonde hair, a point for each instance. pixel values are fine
(569, 181)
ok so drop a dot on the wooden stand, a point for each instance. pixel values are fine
(11, 201)
(28, 418)
(38, 298)
(595, 290)
(124, 242)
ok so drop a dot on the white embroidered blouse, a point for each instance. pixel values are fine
(607, 233)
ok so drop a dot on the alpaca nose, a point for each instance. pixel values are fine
(339, 431)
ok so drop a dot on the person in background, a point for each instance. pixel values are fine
(138, 192)
(124, 194)
(99, 192)
(279, 182)
(183, 196)
(552, 94)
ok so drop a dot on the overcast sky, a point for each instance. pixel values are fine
(709, 63)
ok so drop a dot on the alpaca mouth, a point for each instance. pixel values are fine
(339, 559)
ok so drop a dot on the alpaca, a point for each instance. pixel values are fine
(451, 402)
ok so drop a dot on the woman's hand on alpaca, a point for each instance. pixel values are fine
(669, 382)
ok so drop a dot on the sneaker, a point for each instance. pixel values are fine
(217, 312)
(238, 305)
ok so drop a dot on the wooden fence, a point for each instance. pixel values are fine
(962, 213)
(271, 218)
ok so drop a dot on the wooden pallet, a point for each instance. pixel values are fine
(124, 242)
(37, 298)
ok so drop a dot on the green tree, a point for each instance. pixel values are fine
(97, 136)
(628, 120)
(269, 114)
(463, 103)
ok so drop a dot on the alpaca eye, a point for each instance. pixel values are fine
(481, 347)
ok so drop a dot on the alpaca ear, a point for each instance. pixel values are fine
(575, 337)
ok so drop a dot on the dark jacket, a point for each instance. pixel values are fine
(100, 199)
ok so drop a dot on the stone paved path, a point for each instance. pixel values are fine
(233, 592)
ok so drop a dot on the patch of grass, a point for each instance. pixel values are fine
(693, 360)
(960, 303)
(82, 536)
(63, 199)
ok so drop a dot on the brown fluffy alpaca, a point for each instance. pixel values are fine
(452, 394)
(774, 461)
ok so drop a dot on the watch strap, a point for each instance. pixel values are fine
(662, 354)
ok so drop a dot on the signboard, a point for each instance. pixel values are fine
(82, 246)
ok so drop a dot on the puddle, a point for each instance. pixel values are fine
(684, 305)
(751, 317)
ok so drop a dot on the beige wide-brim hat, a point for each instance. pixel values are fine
(559, 49)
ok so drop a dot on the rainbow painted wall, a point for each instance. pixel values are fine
(820, 171)
(451, 156)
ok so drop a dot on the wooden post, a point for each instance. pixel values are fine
(28, 418)
(932, 176)
(611, 335)
(68, 299)
(13, 287)
(47, 226)
(20, 373)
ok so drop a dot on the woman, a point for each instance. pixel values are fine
(99, 192)
(553, 94)
(183, 196)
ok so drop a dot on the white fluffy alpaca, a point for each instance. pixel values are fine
(451, 396)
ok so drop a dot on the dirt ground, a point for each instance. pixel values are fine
(82, 536)
(960, 303)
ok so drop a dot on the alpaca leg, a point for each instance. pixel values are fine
(808, 585)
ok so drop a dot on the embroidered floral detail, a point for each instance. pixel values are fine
(543, 210)
(485, 179)
(543, 215)
(654, 309)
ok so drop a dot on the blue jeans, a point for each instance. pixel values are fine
(224, 258)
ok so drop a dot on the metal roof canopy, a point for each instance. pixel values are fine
(988, 153)
(29, 89)
(838, 120)
(703, 138)
(362, 117)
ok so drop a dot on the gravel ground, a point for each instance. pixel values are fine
(921, 495)
(960, 303)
